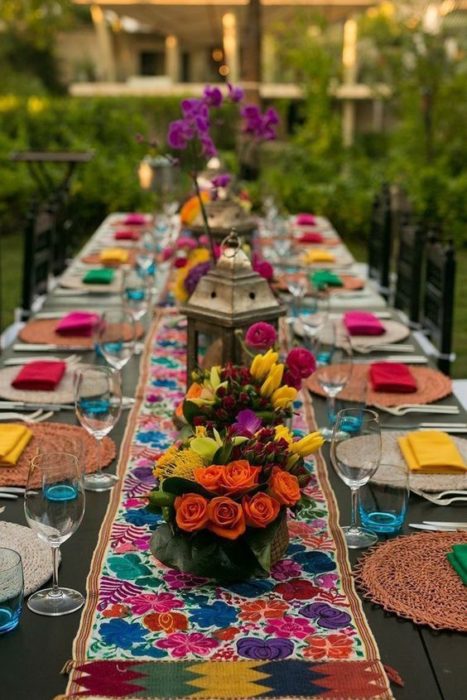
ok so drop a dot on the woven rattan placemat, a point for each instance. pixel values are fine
(55, 437)
(95, 259)
(35, 554)
(73, 279)
(431, 386)
(43, 331)
(64, 393)
(410, 576)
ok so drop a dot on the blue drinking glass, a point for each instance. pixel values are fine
(11, 589)
(383, 501)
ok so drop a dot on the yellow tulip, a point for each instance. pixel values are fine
(261, 365)
(282, 433)
(310, 443)
(272, 381)
(283, 397)
(291, 461)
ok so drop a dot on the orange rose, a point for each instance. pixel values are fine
(191, 512)
(209, 477)
(260, 509)
(238, 477)
(284, 487)
(226, 518)
(194, 391)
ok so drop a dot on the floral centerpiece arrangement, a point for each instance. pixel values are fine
(224, 499)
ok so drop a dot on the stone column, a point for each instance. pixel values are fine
(230, 44)
(106, 66)
(172, 58)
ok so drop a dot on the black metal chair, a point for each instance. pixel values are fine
(38, 258)
(380, 241)
(438, 300)
(409, 267)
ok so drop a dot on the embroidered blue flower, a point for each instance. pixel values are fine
(167, 343)
(218, 614)
(154, 438)
(122, 634)
(295, 548)
(128, 567)
(315, 562)
(251, 589)
(165, 383)
(141, 517)
(153, 652)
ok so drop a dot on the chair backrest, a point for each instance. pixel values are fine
(438, 300)
(38, 253)
(409, 267)
(380, 240)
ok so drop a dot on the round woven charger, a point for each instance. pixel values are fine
(394, 333)
(432, 386)
(55, 437)
(391, 454)
(95, 259)
(35, 554)
(348, 284)
(43, 331)
(410, 576)
(74, 280)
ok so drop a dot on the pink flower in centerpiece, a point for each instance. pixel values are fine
(292, 377)
(180, 262)
(186, 242)
(263, 268)
(154, 602)
(301, 361)
(181, 644)
(285, 627)
(261, 336)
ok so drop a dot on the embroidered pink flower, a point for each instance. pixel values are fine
(180, 644)
(327, 580)
(154, 602)
(134, 503)
(286, 627)
(287, 568)
(124, 547)
(142, 543)
(179, 580)
(335, 646)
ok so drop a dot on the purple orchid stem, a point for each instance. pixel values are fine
(205, 217)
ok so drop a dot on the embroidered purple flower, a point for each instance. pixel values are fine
(285, 569)
(213, 96)
(247, 423)
(143, 474)
(181, 644)
(264, 650)
(261, 336)
(236, 94)
(326, 616)
(180, 581)
(194, 276)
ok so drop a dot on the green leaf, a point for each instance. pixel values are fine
(205, 447)
(177, 486)
(260, 540)
(159, 499)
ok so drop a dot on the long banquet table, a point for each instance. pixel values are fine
(431, 663)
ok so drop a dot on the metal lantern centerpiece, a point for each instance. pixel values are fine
(223, 216)
(227, 300)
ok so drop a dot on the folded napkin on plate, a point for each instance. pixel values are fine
(311, 237)
(431, 452)
(393, 377)
(42, 375)
(114, 255)
(126, 236)
(317, 256)
(325, 278)
(458, 560)
(98, 276)
(363, 323)
(134, 219)
(305, 220)
(13, 441)
(77, 323)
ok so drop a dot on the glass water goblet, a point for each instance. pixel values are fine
(54, 507)
(146, 256)
(333, 355)
(355, 455)
(98, 404)
(136, 294)
(116, 337)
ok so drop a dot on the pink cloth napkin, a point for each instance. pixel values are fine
(392, 377)
(305, 220)
(363, 323)
(311, 237)
(126, 236)
(134, 220)
(42, 375)
(77, 323)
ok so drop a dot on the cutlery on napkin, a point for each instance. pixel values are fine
(44, 347)
(438, 526)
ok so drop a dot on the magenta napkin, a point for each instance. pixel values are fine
(311, 237)
(126, 235)
(77, 323)
(42, 375)
(305, 220)
(134, 220)
(393, 377)
(363, 323)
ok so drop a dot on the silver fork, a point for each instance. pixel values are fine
(417, 408)
(440, 501)
(389, 347)
(36, 417)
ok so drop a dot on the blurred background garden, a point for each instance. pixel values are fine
(367, 93)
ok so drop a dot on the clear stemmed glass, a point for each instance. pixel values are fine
(54, 507)
(136, 294)
(98, 404)
(297, 284)
(116, 337)
(355, 455)
(146, 256)
(333, 353)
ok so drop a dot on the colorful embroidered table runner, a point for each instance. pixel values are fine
(151, 632)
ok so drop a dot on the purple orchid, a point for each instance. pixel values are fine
(236, 94)
(260, 126)
(222, 180)
(247, 423)
(212, 96)
(194, 276)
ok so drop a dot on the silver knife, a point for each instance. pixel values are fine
(436, 528)
(401, 359)
(44, 347)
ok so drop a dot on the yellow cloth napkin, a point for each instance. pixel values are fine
(13, 441)
(114, 255)
(431, 452)
(315, 256)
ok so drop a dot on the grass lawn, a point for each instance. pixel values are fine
(11, 257)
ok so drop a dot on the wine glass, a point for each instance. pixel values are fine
(98, 404)
(146, 255)
(297, 284)
(116, 337)
(333, 353)
(136, 294)
(355, 455)
(54, 507)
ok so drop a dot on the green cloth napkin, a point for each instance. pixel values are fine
(458, 560)
(100, 276)
(325, 278)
